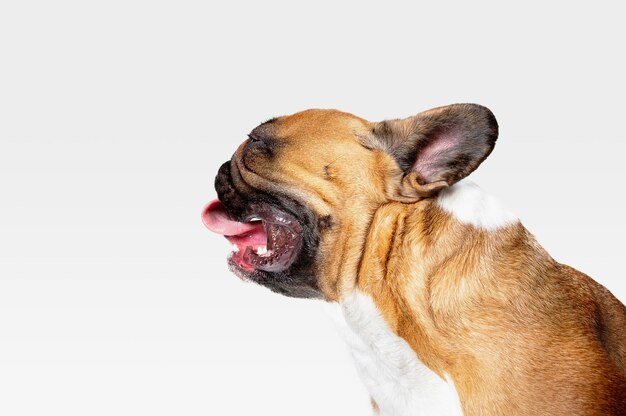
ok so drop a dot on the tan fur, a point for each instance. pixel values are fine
(519, 333)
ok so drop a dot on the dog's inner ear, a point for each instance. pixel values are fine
(437, 148)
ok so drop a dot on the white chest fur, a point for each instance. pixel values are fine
(394, 376)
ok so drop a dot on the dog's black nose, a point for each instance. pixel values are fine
(227, 191)
(223, 182)
(224, 169)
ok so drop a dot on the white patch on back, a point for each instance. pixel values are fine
(391, 371)
(470, 204)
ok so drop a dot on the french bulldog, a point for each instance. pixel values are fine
(449, 304)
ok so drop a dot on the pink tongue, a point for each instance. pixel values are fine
(254, 238)
(216, 219)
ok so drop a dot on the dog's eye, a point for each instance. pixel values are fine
(259, 145)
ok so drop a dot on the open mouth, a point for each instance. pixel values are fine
(267, 239)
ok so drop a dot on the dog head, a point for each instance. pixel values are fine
(297, 196)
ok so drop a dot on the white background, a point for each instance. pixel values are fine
(114, 117)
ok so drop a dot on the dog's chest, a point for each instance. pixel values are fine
(391, 371)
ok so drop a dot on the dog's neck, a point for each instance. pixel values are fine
(435, 271)
(433, 226)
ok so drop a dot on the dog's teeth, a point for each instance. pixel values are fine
(235, 248)
(261, 250)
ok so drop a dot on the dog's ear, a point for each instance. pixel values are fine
(438, 147)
